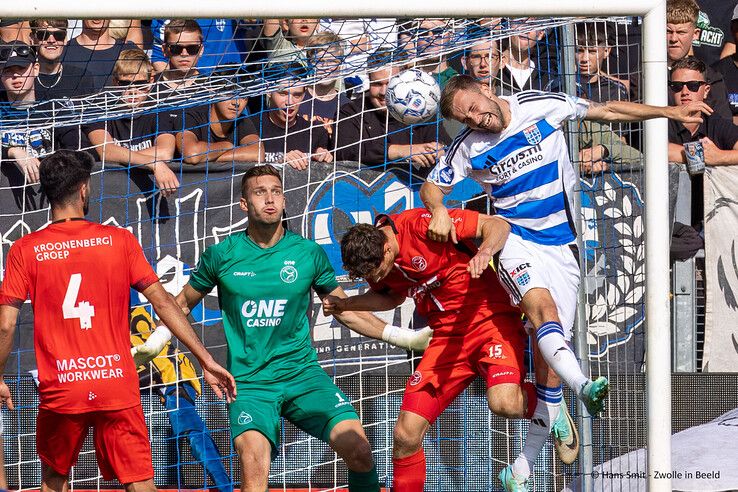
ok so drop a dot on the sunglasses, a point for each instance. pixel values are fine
(57, 35)
(131, 83)
(692, 85)
(20, 51)
(178, 49)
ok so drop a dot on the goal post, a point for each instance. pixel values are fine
(653, 13)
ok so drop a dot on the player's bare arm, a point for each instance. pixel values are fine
(8, 320)
(494, 232)
(625, 111)
(359, 320)
(170, 311)
(440, 228)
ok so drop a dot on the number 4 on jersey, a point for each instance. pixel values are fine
(84, 311)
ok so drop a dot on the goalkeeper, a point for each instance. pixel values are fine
(174, 377)
(264, 277)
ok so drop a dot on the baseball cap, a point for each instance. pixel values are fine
(735, 12)
(9, 22)
(17, 54)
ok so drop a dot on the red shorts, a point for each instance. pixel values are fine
(121, 442)
(491, 346)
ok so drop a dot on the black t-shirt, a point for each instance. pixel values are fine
(301, 136)
(137, 132)
(96, 64)
(714, 22)
(727, 67)
(197, 121)
(70, 82)
(723, 133)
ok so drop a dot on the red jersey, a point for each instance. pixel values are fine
(78, 275)
(434, 274)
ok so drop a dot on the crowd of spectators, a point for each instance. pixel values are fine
(340, 115)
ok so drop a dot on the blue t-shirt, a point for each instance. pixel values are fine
(218, 36)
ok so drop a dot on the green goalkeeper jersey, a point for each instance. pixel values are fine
(264, 296)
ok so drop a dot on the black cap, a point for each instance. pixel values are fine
(9, 22)
(17, 55)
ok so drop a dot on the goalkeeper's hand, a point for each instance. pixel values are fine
(406, 338)
(146, 352)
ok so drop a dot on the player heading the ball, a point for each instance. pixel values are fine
(78, 275)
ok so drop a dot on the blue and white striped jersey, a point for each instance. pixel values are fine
(525, 168)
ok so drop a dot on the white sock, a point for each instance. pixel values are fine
(547, 410)
(558, 355)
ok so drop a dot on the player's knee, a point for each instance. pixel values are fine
(506, 409)
(358, 456)
(406, 441)
(506, 401)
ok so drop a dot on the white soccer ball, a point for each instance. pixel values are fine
(412, 96)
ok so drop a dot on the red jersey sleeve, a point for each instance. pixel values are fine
(14, 289)
(465, 222)
(140, 273)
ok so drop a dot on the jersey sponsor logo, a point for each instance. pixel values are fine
(416, 378)
(341, 401)
(533, 134)
(502, 373)
(418, 291)
(244, 274)
(59, 250)
(288, 273)
(90, 368)
(266, 312)
(419, 263)
(91, 396)
(506, 168)
(244, 418)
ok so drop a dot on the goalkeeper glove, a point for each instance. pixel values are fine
(146, 352)
(406, 338)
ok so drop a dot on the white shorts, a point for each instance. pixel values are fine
(524, 265)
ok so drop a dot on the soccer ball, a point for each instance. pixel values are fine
(412, 96)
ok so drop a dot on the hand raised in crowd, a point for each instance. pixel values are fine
(322, 155)
(166, 180)
(26, 163)
(591, 159)
(297, 159)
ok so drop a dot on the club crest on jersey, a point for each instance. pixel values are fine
(415, 378)
(533, 134)
(288, 273)
(520, 274)
(244, 418)
(419, 263)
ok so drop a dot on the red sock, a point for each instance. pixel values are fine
(409, 473)
(530, 391)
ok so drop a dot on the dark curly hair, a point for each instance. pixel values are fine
(62, 173)
(362, 250)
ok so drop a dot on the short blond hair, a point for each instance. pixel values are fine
(325, 40)
(133, 62)
(682, 11)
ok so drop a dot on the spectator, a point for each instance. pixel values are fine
(713, 21)
(719, 136)
(681, 32)
(173, 376)
(54, 80)
(482, 61)
(183, 47)
(601, 148)
(366, 133)
(434, 36)
(127, 30)
(728, 68)
(12, 30)
(593, 51)
(21, 144)
(287, 137)
(324, 98)
(141, 139)
(519, 72)
(95, 52)
(219, 132)
(286, 39)
(219, 47)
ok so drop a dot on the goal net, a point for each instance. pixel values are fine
(333, 66)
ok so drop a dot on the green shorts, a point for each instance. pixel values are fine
(310, 401)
